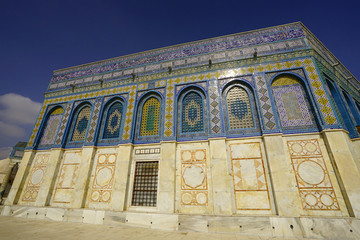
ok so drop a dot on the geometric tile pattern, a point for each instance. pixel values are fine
(67, 177)
(192, 113)
(150, 117)
(265, 103)
(232, 70)
(194, 186)
(312, 177)
(239, 109)
(63, 123)
(129, 111)
(292, 106)
(113, 121)
(280, 33)
(319, 91)
(37, 124)
(35, 177)
(169, 109)
(82, 123)
(104, 178)
(94, 120)
(249, 176)
(215, 122)
(52, 126)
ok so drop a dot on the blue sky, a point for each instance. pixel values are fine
(37, 37)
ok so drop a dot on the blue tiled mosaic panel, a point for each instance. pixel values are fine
(113, 121)
(292, 106)
(51, 127)
(192, 113)
(81, 125)
(150, 117)
(239, 109)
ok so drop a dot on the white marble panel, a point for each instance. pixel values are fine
(326, 228)
(55, 214)
(164, 221)
(139, 219)
(286, 227)
(193, 223)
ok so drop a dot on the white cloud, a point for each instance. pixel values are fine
(11, 130)
(18, 109)
(17, 115)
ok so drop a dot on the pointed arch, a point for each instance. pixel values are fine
(192, 113)
(240, 109)
(51, 126)
(341, 108)
(292, 103)
(113, 117)
(80, 123)
(148, 116)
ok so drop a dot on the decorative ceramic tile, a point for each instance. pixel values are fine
(94, 120)
(150, 117)
(129, 112)
(63, 123)
(169, 109)
(192, 113)
(215, 117)
(113, 121)
(52, 126)
(312, 177)
(240, 40)
(81, 125)
(265, 103)
(292, 106)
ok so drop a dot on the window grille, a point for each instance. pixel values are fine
(81, 125)
(192, 113)
(239, 109)
(150, 117)
(145, 184)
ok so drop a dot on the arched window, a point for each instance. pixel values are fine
(150, 117)
(113, 121)
(51, 127)
(192, 113)
(239, 108)
(352, 108)
(81, 124)
(292, 103)
(344, 114)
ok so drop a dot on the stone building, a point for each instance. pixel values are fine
(9, 167)
(252, 132)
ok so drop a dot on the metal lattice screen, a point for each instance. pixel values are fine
(145, 184)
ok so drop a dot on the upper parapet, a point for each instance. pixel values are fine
(283, 38)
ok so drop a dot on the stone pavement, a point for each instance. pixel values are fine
(13, 228)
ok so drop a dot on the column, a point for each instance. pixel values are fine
(221, 178)
(49, 178)
(122, 174)
(82, 184)
(20, 178)
(283, 180)
(337, 143)
(166, 197)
